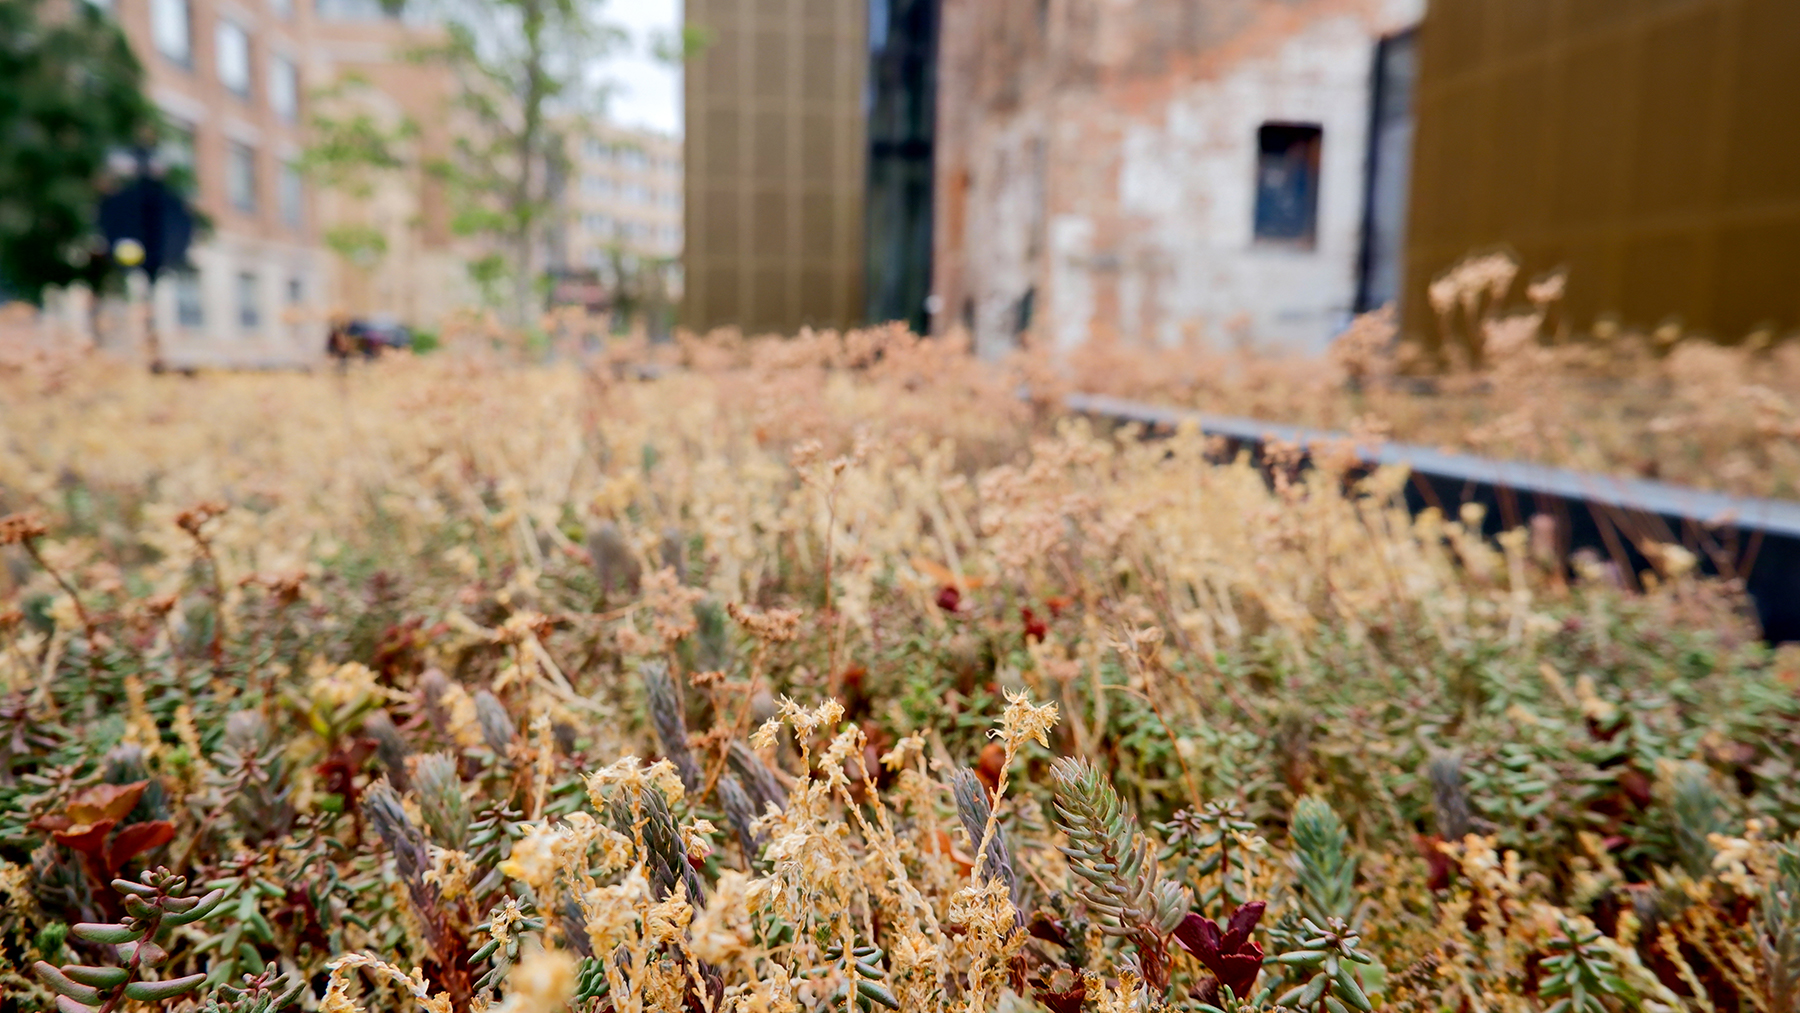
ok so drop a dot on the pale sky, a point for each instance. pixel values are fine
(646, 93)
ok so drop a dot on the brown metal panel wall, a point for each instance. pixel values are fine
(1651, 146)
(776, 156)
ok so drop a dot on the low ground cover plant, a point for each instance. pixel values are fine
(835, 675)
(1505, 373)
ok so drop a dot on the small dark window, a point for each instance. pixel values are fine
(1022, 313)
(1287, 184)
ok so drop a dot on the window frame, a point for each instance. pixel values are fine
(290, 196)
(159, 28)
(1284, 146)
(222, 29)
(233, 149)
(284, 86)
(249, 313)
(189, 282)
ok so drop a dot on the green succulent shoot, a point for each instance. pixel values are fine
(1581, 974)
(1330, 954)
(153, 904)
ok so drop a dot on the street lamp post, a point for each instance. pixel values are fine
(147, 225)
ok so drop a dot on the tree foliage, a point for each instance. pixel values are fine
(519, 64)
(70, 92)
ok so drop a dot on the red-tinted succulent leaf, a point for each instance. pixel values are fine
(1239, 970)
(1049, 928)
(1228, 954)
(1243, 922)
(138, 838)
(106, 802)
(1198, 935)
(89, 839)
(989, 766)
(1440, 871)
(1063, 1002)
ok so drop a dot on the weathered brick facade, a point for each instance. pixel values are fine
(1097, 166)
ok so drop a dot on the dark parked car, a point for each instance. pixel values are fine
(369, 337)
(376, 334)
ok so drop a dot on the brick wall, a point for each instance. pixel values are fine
(1097, 167)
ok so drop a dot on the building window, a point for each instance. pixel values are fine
(188, 307)
(233, 45)
(284, 89)
(291, 196)
(240, 176)
(296, 292)
(1287, 184)
(169, 28)
(249, 310)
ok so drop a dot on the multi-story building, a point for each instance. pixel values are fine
(229, 77)
(237, 81)
(1158, 169)
(1049, 169)
(622, 192)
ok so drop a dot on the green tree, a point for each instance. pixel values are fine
(352, 149)
(71, 92)
(350, 146)
(518, 64)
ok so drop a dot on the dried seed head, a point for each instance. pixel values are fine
(772, 626)
(1024, 722)
(195, 517)
(17, 528)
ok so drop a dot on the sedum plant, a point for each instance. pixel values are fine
(1581, 974)
(153, 904)
(260, 993)
(1116, 868)
(1324, 869)
(1777, 928)
(1328, 954)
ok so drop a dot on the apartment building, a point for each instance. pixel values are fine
(623, 192)
(228, 75)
